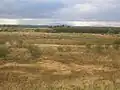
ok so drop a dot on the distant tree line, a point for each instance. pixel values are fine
(97, 30)
(60, 29)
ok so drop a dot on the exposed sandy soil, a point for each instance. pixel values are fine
(58, 68)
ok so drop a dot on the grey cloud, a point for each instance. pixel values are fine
(90, 10)
(28, 9)
(61, 9)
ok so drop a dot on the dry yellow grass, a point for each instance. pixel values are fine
(63, 62)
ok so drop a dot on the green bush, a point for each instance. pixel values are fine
(111, 31)
(4, 51)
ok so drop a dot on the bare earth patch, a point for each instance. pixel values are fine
(104, 36)
(60, 68)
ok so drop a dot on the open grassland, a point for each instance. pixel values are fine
(59, 61)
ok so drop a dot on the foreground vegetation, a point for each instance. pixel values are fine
(59, 61)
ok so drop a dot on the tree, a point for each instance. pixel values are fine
(111, 31)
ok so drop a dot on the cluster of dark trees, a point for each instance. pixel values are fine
(59, 26)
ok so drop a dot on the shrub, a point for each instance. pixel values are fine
(117, 41)
(68, 49)
(20, 43)
(116, 46)
(60, 49)
(82, 43)
(88, 46)
(35, 51)
(37, 30)
(48, 51)
(98, 48)
(4, 51)
(25, 45)
(107, 46)
(2, 41)
(16, 43)
(19, 54)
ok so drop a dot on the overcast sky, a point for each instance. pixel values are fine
(100, 10)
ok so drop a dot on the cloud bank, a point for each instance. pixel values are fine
(58, 22)
(61, 9)
(52, 11)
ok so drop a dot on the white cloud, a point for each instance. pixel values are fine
(9, 21)
(55, 22)
(94, 23)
